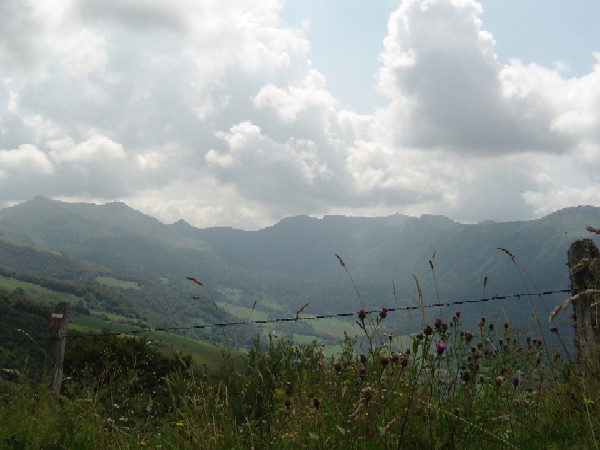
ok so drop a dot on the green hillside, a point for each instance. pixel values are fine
(117, 260)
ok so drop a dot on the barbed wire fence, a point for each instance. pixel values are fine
(299, 316)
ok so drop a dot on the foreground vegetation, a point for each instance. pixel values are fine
(472, 385)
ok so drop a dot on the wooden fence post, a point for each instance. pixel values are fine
(55, 349)
(584, 272)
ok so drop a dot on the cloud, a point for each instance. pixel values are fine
(23, 161)
(448, 89)
(213, 111)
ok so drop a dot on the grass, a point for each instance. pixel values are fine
(335, 328)
(242, 312)
(116, 283)
(451, 385)
(478, 385)
(36, 291)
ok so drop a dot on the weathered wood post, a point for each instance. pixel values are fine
(584, 272)
(55, 349)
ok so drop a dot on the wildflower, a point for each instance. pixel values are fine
(178, 424)
(457, 314)
(554, 329)
(384, 361)
(516, 379)
(441, 347)
(395, 357)
(362, 314)
(499, 381)
(337, 366)
(362, 370)
(468, 336)
(383, 313)
(404, 361)
(491, 326)
(465, 375)
(438, 323)
(482, 321)
(428, 331)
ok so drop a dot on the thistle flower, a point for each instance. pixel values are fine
(362, 314)
(428, 331)
(383, 313)
(515, 379)
(441, 347)
(362, 370)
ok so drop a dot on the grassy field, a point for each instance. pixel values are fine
(116, 283)
(242, 312)
(202, 353)
(36, 291)
(475, 386)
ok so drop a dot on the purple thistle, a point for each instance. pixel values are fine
(441, 347)
(516, 379)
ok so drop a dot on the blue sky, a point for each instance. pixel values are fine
(240, 114)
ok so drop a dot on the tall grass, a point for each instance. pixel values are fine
(474, 385)
(451, 385)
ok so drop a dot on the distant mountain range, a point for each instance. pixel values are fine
(276, 270)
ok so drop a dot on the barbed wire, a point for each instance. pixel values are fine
(294, 318)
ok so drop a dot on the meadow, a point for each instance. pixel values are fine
(455, 383)
(463, 386)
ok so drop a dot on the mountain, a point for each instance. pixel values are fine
(275, 270)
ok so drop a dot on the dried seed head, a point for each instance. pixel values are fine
(342, 263)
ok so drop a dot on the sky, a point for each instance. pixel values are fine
(236, 113)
